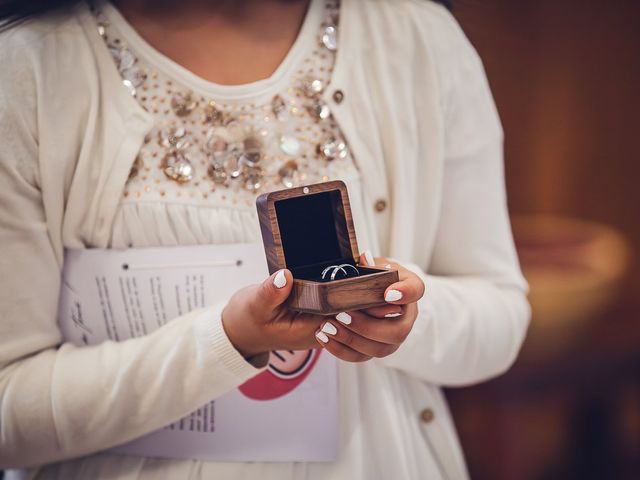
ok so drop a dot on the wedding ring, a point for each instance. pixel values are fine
(338, 268)
(333, 274)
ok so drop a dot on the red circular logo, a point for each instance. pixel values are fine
(287, 369)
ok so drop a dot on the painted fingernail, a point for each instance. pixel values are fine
(344, 317)
(393, 296)
(392, 315)
(280, 279)
(322, 337)
(369, 258)
(329, 328)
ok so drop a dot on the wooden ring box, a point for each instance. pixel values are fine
(307, 229)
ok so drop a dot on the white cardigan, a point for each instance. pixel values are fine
(419, 118)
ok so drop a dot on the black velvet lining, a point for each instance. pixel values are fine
(310, 227)
(314, 272)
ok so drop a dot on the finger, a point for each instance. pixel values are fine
(294, 330)
(366, 259)
(385, 311)
(391, 331)
(371, 348)
(408, 290)
(274, 290)
(339, 350)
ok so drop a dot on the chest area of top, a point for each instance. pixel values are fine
(226, 145)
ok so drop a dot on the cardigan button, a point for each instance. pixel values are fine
(427, 415)
(380, 205)
(338, 96)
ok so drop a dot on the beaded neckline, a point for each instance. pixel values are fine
(229, 145)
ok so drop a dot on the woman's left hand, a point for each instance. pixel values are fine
(361, 335)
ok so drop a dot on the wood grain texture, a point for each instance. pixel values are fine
(328, 298)
(323, 298)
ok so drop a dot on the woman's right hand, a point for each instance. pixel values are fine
(257, 321)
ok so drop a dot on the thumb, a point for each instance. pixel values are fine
(275, 289)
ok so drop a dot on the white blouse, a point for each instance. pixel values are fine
(410, 97)
(156, 210)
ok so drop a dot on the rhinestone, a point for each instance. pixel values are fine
(177, 167)
(234, 132)
(123, 58)
(289, 175)
(174, 137)
(330, 38)
(135, 75)
(289, 145)
(252, 144)
(183, 103)
(102, 22)
(213, 115)
(215, 143)
(312, 86)
(232, 163)
(253, 179)
(218, 174)
(250, 159)
(320, 111)
(132, 78)
(332, 149)
(252, 153)
(279, 107)
(130, 86)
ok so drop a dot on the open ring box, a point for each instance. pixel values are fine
(308, 229)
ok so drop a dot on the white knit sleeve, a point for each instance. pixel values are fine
(474, 315)
(58, 400)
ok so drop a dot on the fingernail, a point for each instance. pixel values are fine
(344, 317)
(322, 337)
(280, 279)
(388, 266)
(393, 296)
(329, 328)
(369, 258)
(392, 315)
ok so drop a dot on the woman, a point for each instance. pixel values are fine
(138, 124)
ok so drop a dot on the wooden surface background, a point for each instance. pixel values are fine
(566, 78)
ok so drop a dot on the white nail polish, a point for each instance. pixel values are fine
(393, 296)
(369, 258)
(329, 328)
(322, 337)
(344, 317)
(392, 315)
(280, 279)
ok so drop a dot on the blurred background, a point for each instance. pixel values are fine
(566, 78)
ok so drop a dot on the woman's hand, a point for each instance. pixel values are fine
(361, 335)
(257, 321)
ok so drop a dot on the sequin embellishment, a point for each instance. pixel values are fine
(286, 141)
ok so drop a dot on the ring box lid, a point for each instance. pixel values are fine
(308, 228)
